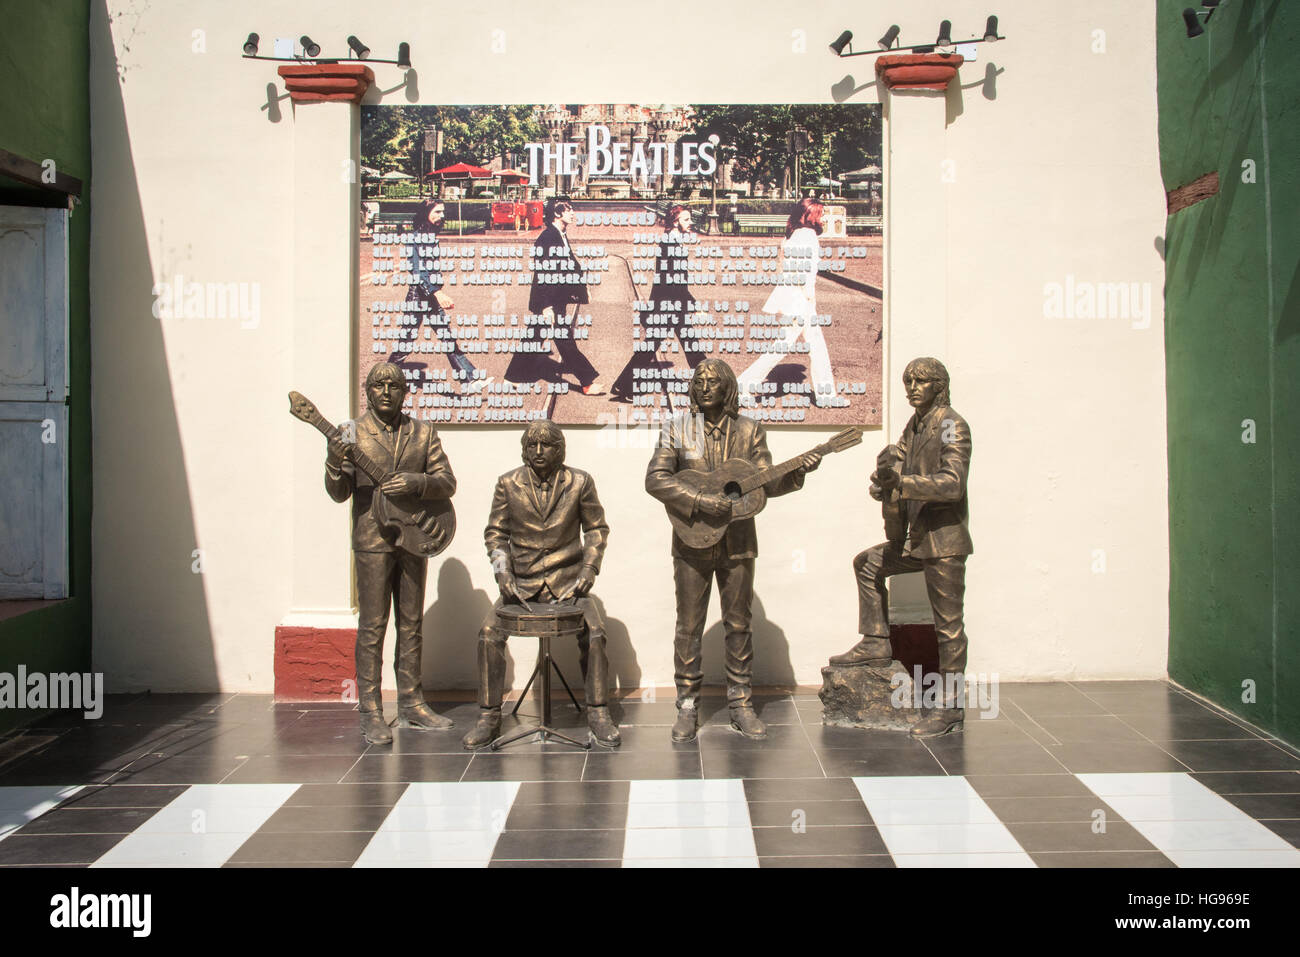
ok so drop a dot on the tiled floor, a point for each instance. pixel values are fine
(1069, 774)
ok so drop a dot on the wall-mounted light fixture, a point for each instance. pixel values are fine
(889, 42)
(1192, 17)
(311, 52)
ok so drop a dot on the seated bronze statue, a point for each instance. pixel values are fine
(545, 536)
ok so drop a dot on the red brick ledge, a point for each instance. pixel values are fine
(315, 664)
(918, 71)
(326, 82)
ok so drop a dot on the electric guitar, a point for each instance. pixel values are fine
(892, 508)
(423, 528)
(742, 482)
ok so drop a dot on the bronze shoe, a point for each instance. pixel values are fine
(688, 720)
(421, 717)
(602, 727)
(939, 721)
(484, 731)
(871, 650)
(745, 721)
(374, 728)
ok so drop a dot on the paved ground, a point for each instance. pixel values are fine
(236, 780)
(853, 338)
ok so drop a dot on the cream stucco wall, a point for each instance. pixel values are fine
(996, 189)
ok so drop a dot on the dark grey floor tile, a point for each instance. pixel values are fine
(409, 741)
(761, 764)
(809, 813)
(178, 769)
(780, 737)
(537, 845)
(341, 846)
(352, 794)
(319, 738)
(1045, 698)
(408, 767)
(894, 762)
(1289, 831)
(642, 766)
(554, 863)
(817, 841)
(1121, 687)
(1042, 810)
(847, 860)
(1273, 806)
(1162, 726)
(957, 758)
(795, 790)
(572, 792)
(1232, 756)
(651, 738)
(1074, 729)
(490, 766)
(88, 821)
(644, 713)
(1124, 859)
(125, 796)
(360, 817)
(824, 737)
(1103, 757)
(56, 849)
(293, 769)
(1056, 784)
(529, 817)
(280, 865)
(1078, 836)
(1147, 702)
(1250, 782)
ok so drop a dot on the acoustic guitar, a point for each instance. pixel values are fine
(892, 507)
(742, 482)
(423, 528)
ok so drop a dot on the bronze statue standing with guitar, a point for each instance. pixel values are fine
(394, 470)
(921, 484)
(712, 470)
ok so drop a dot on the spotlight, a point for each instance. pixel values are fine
(250, 45)
(843, 40)
(889, 39)
(1194, 28)
(360, 49)
(404, 55)
(991, 30)
(945, 34)
(309, 48)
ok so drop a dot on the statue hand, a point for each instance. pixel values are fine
(336, 451)
(509, 589)
(809, 462)
(886, 478)
(586, 579)
(403, 483)
(719, 506)
(876, 492)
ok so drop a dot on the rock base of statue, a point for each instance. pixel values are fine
(864, 696)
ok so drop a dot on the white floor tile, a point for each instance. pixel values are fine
(444, 824)
(688, 815)
(1189, 823)
(924, 787)
(452, 817)
(929, 811)
(1010, 859)
(202, 827)
(688, 843)
(429, 847)
(949, 839)
(693, 862)
(459, 793)
(18, 805)
(715, 791)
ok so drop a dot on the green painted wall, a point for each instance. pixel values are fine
(1232, 341)
(45, 113)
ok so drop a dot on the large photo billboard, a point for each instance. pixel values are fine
(576, 262)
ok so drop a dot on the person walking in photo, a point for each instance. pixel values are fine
(669, 305)
(557, 284)
(796, 299)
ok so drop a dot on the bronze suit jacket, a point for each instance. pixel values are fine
(932, 484)
(682, 445)
(411, 447)
(547, 542)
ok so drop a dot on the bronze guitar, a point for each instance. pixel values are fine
(742, 482)
(893, 509)
(423, 528)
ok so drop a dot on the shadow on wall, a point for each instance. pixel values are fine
(451, 626)
(150, 615)
(771, 651)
